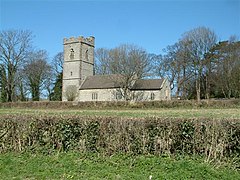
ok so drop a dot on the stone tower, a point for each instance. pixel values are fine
(78, 64)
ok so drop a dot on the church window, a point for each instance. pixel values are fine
(71, 54)
(94, 96)
(152, 97)
(71, 73)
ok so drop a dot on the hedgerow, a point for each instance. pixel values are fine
(214, 139)
(229, 103)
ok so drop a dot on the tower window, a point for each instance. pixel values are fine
(71, 54)
(71, 73)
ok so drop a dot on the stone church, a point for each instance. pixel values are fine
(80, 83)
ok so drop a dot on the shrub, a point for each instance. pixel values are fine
(71, 92)
(212, 138)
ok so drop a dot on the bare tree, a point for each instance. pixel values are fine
(128, 62)
(37, 72)
(14, 46)
(201, 40)
(175, 66)
(102, 61)
(57, 63)
(131, 63)
(21, 90)
(166, 65)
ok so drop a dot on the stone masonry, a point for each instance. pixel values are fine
(78, 64)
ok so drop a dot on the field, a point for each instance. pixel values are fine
(102, 157)
(216, 113)
(83, 166)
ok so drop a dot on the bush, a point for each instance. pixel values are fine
(214, 139)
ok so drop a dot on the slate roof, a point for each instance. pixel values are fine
(114, 81)
(101, 82)
(148, 84)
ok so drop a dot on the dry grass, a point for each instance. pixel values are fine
(230, 113)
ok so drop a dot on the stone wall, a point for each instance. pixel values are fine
(97, 95)
(111, 94)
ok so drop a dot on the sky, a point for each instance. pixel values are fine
(150, 24)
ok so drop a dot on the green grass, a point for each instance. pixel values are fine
(83, 166)
(230, 113)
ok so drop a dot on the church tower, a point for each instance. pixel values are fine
(78, 64)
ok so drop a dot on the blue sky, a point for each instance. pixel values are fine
(149, 24)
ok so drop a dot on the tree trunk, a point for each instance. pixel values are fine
(9, 93)
(207, 95)
(198, 89)
(35, 94)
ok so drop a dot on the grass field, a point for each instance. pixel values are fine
(230, 113)
(82, 166)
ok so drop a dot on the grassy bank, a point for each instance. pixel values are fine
(95, 166)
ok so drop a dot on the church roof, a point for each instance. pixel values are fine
(114, 81)
(148, 84)
(101, 82)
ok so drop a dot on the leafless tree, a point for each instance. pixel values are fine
(175, 66)
(57, 63)
(131, 63)
(37, 72)
(14, 46)
(21, 90)
(128, 62)
(201, 40)
(102, 61)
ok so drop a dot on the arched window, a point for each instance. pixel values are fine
(71, 54)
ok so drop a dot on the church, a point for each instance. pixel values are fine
(80, 83)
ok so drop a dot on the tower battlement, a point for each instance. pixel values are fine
(88, 40)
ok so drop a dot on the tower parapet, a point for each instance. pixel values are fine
(88, 40)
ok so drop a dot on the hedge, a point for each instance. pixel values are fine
(229, 103)
(214, 139)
